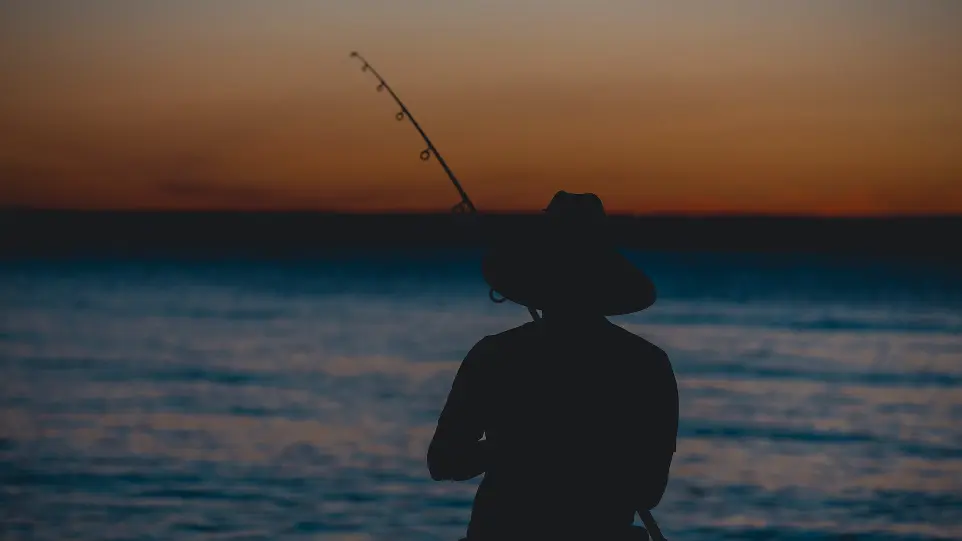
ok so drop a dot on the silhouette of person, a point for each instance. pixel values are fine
(572, 419)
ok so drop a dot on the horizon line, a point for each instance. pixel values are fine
(487, 212)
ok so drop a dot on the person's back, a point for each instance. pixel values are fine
(579, 419)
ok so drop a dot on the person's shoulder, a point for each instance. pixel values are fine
(498, 342)
(510, 336)
(639, 346)
(649, 362)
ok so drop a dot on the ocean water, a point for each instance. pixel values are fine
(186, 399)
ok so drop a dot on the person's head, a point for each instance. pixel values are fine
(568, 265)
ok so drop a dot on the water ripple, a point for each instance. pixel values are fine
(267, 401)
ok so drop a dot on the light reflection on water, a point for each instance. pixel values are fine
(193, 401)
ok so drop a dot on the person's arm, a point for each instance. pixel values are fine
(662, 434)
(456, 451)
(655, 481)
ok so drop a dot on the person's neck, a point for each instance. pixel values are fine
(572, 317)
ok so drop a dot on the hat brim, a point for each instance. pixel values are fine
(597, 280)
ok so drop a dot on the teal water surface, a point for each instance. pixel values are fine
(166, 399)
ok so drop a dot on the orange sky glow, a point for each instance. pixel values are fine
(814, 107)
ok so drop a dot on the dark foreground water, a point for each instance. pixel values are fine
(295, 400)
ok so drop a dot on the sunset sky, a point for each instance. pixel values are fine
(801, 107)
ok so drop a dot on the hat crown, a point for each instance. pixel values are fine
(583, 213)
(576, 206)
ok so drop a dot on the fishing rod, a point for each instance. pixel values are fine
(464, 206)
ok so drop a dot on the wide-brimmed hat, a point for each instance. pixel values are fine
(568, 261)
